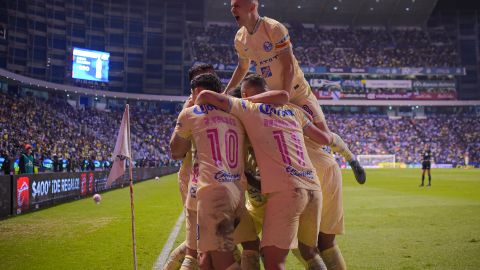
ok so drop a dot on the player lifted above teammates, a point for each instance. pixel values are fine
(267, 42)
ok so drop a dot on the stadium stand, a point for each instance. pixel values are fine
(56, 128)
(340, 47)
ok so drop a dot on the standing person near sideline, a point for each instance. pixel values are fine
(267, 42)
(7, 163)
(426, 165)
(25, 162)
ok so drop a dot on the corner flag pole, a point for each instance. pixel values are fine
(131, 191)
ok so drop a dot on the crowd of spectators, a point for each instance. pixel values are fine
(450, 137)
(341, 47)
(58, 130)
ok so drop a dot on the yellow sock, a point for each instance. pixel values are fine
(333, 258)
(316, 263)
(237, 255)
(189, 263)
(339, 146)
(176, 257)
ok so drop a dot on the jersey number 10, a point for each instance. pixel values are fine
(231, 147)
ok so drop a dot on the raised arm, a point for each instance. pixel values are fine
(275, 97)
(218, 100)
(286, 59)
(239, 73)
(317, 135)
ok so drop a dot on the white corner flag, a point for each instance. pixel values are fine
(122, 149)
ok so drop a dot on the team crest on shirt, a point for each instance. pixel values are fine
(266, 72)
(267, 46)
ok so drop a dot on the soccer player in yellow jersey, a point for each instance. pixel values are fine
(267, 42)
(219, 139)
(289, 180)
(330, 178)
(187, 192)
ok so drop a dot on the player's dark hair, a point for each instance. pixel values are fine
(199, 68)
(207, 81)
(236, 92)
(256, 81)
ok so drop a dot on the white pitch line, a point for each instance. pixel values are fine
(162, 258)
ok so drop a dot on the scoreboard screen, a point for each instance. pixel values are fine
(90, 65)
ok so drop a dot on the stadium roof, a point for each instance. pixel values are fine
(335, 12)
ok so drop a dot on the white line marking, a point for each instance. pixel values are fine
(162, 258)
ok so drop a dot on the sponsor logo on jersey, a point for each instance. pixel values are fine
(224, 177)
(269, 110)
(203, 109)
(267, 46)
(266, 72)
(294, 172)
(307, 109)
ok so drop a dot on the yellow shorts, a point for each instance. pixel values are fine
(191, 228)
(222, 218)
(183, 179)
(309, 103)
(292, 216)
(332, 210)
(257, 213)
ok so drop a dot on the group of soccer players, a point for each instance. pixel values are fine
(267, 143)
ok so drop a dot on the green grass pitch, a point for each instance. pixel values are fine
(391, 223)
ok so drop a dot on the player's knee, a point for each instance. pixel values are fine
(251, 245)
(273, 257)
(325, 241)
(307, 252)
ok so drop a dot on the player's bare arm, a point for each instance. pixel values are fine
(317, 135)
(179, 146)
(240, 71)
(286, 58)
(218, 100)
(274, 97)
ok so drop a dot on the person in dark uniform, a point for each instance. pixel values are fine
(26, 160)
(426, 164)
(7, 163)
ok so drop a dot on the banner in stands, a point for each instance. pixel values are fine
(397, 84)
(34, 191)
(448, 95)
(5, 195)
(435, 84)
(371, 70)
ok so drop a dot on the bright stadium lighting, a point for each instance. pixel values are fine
(407, 9)
(224, 3)
(299, 7)
(371, 9)
(335, 8)
(263, 5)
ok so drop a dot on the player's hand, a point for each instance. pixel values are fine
(189, 102)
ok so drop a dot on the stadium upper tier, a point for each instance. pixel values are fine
(340, 47)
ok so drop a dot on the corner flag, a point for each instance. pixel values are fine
(121, 153)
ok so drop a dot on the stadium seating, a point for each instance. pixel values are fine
(54, 127)
(357, 48)
(450, 136)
